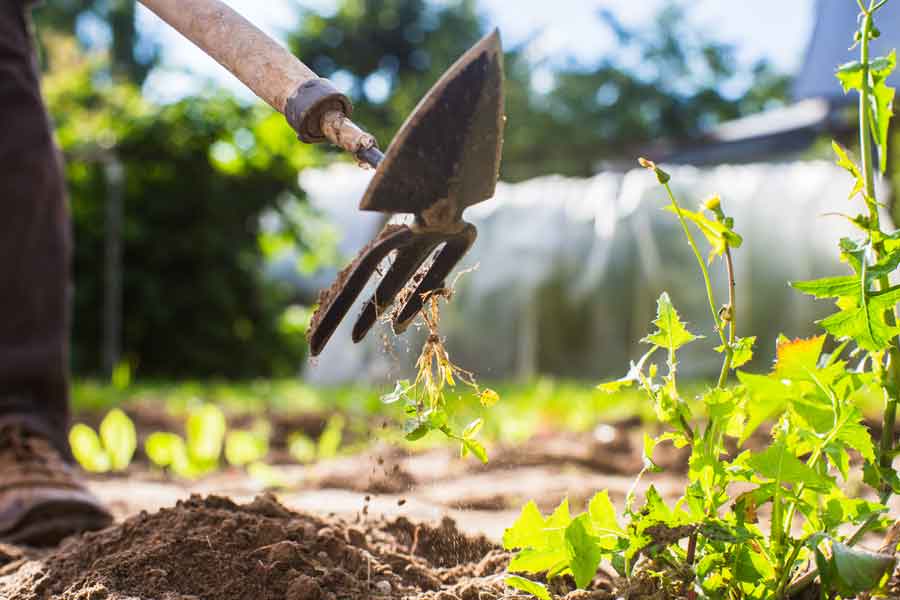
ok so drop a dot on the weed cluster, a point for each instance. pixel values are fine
(772, 522)
(425, 402)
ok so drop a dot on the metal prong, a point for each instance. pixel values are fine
(406, 263)
(337, 300)
(452, 252)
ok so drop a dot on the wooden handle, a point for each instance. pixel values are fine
(268, 69)
(262, 64)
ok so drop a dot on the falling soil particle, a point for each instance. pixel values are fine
(213, 549)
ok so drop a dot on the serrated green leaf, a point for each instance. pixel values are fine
(742, 351)
(857, 570)
(845, 162)
(779, 464)
(855, 434)
(602, 513)
(671, 333)
(583, 552)
(119, 438)
(866, 324)
(717, 234)
(633, 375)
(539, 560)
(829, 287)
(797, 358)
(528, 586)
(882, 103)
(87, 449)
(527, 531)
(766, 398)
(850, 75)
(649, 446)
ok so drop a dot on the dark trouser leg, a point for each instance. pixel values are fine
(35, 245)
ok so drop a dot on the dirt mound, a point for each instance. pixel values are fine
(213, 549)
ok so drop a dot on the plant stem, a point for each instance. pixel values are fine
(729, 347)
(889, 416)
(700, 261)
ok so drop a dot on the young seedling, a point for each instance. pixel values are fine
(787, 527)
(112, 450)
(206, 437)
(425, 400)
(305, 450)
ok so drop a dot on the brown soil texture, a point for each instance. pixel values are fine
(213, 549)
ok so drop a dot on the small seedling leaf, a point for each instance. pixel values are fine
(671, 333)
(528, 586)
(163, 448)
(633, 375)
(527, 531)
(267, 475)
(330, 440)
(245, 447)
(583, 552)
(742, 351)
(205, 431)
(475, 448)
(301, 447)
(87, 449)
(119, 438)
(604, 523)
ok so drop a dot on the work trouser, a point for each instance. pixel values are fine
(35, 244)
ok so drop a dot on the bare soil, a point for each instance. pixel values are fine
(215, 549)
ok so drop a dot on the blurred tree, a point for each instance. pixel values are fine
(670, 88)
(199, 176)
(102, 23)
(389, 52)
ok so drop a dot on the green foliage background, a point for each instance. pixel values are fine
(200, 174)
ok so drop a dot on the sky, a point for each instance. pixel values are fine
(773, 29)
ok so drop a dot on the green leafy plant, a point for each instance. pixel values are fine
(111, 450)
(712, 542)
(426, 405)
(206, 438)
(303, 449)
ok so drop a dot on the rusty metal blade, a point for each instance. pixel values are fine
(406, 263)
(335, 302)
(449, 147)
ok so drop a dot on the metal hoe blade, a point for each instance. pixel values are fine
(445, 158)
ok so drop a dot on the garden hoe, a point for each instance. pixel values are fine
(445, 157)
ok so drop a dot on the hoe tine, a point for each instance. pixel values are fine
(337, 300)
(452, 252)
(408, 260)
